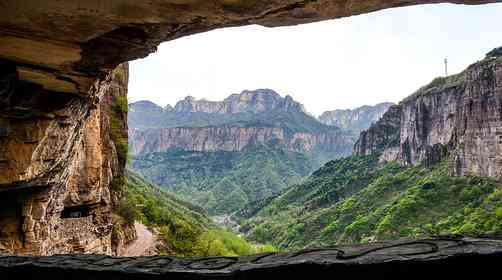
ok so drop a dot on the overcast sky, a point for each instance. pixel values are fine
(337, 64)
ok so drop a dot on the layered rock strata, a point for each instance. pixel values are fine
(65, 45)
(458, 118)
(357, 119)
(232, 138)
(58, 160)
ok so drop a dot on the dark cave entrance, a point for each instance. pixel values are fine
(11, 220)
(75, 212)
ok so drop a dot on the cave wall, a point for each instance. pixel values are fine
(58, 151)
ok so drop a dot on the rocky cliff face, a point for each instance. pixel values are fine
(58, 159)
(190, 112)
(357, 119)
(83, 40)
(382, 135)
(253, 117)
(233, 138)
(51, 142)
(256, 101)
(458, 118)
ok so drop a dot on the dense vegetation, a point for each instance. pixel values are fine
(184, 229)
(356, 200)
(223, 182)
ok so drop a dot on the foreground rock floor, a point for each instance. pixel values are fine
(429, 258)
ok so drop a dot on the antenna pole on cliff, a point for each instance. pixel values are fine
(446, 67)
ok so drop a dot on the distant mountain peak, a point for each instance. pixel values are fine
(357, 119)
(248, 101)
(145, 106)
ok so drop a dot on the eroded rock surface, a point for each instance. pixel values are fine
(60, 152)
(381, 135)
(232, 138)
(66, 45)
(458, 118)
(253, 117)
(58, 158)
(357, 119)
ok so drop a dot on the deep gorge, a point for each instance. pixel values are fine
(63, 134)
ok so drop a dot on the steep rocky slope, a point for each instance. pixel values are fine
(58, 161)
(382, 135)
(357, 119)
(235, 139)
(430, 165)
(245, 107)
(458, 118)
(252, 117)
(358, 200)
(65, 49)
(232, 152)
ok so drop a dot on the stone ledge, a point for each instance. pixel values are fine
(451, 256)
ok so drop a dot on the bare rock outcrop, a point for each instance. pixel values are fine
(82, 40)
(248, 101)
(232, 138)
(456, 118)
(58, 160)
(60, 151)
(357, 119)
(381, 135)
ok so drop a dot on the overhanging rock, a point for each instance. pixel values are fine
(65, 45)
(447, 256)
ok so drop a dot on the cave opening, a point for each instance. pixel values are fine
(4, 127)
(179, 164)
(44, 106)
(76, 212)
(11, 221)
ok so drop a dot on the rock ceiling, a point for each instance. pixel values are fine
(65, 45)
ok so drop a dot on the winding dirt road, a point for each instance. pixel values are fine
(144, 245)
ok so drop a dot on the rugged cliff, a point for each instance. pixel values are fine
(382, 135)
(458, 118)
(399, 183)
(234, 138)
(252, 117)
(255, 101)
(59, 156)
(231, 152)
(357, 119)
(246, 107)
(51, 143)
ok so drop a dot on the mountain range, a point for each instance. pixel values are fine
(224, 154)
(431, 165)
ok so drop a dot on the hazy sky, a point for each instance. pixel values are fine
(344, 63)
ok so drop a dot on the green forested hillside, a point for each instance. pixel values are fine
(223, 182)
(184, 229)
(355, 199)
